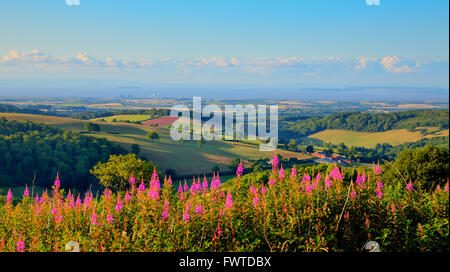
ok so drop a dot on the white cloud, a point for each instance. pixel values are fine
(317, 68)
(394, 65)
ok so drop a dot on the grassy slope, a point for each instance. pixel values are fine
(185, 159)
(367, 139)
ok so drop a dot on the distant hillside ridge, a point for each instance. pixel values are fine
(370, 122)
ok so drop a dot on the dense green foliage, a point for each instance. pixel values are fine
(115, 173)
(369, 122)
(28, 149)
(91, 127)
(153, 135)
(30, 109)
(428, 167)
(385, 151)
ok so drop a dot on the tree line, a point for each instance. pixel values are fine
(367, 122)
(91, 115)
(37, 151)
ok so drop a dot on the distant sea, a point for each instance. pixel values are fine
(93, 88)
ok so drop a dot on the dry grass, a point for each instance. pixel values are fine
(370, 140)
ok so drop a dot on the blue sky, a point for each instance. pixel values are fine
(320, 43)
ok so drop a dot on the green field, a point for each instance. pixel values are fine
(123, 118)
(371, 139)
(186, 159)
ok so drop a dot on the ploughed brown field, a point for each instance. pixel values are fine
(160, 122)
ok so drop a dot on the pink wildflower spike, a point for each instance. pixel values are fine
(57, 182)
(308, 188)
(119, 204)
(78, 202)
(20, 245)
(180, 189)
(438, 188)
(318, 177)
(293, 172)
(142, 185)
(281, 173)
(361, 180)
(218, 180)
(240, 169)
(169, 181)
(255, 201)
(154, 174)
(205, 183)
(379, 185)
(127, 197)
(26, 193)
(446, 187)
(58, 218)
(199, 209)
(272, 182)
(328, 182)
(185, 187)
(9, 197)
(275, 161)
(353, 194)
(110, 219)
(94, 219)
(229, 201)
(165, 213)
(193, 187)
(306, 178)
(36, 199)
(380, 194)
(409, 187)
(377, 169)
(253, 190)
(186, 217)
(132, 181)
(263, 190)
